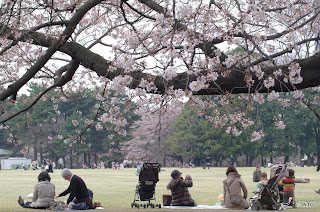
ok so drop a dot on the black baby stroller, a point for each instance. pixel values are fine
(269, 196)
(145, 190)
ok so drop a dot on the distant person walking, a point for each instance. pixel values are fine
(60, 163)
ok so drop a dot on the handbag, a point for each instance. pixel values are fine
(235, 199)
(167, 200)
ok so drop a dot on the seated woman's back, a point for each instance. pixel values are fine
(232, 186)
(44, 193)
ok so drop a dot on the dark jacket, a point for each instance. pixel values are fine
(180, 193)
(77, 190)
(256, 175)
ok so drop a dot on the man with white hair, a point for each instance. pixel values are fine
(77, 189)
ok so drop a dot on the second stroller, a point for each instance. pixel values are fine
(145, 190)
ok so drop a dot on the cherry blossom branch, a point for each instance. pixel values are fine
(59, 83)
(15, 87)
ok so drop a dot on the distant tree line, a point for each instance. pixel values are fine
(71, 130)
(196, 136)
(65, 125)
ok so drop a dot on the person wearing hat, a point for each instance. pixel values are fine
(179, 189)
(77, 189)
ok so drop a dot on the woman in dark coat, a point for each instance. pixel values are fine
(179, 190)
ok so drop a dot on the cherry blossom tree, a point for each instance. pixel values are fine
(160, 50)
(150, 137)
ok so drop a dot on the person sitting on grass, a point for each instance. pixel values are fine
(179, 189)
(232, 187)
(77, 189)
(288, 184)
(256, 174)
(43, 194)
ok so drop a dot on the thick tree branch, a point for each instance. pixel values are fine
(234, 83)
(70, 70)
(15, 87)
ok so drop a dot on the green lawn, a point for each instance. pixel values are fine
(115, 188)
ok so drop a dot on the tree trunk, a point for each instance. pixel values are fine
(89, 159)
(77, 160)
(40, 148)
(35, 151)
(251, 159)
(85, 161)
(164, 162)
(71, 164)
(318, 149)
(286, 159)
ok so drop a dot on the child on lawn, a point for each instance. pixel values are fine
(288, 184)
(263, 180)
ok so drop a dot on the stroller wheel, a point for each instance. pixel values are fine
(159, 205)
(152, 205)
(131, 205)
(144, 205)
(255, 207)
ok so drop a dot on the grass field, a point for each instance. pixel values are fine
(115, 188)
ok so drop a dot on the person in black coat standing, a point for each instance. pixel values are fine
(77, 188)
(179, 190)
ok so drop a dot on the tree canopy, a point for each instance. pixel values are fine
(172, 48)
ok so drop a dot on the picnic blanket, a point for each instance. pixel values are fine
(216, 206)
(68, 209)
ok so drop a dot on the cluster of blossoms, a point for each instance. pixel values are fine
(298, 94)
(75, 123)
(278, 122)
(169, 73)
(257, 71)
(148, 86)
(257, 97)
(273, 96)
(198, 85)
(256, 136)
(294, 73)
(269, 82)
(280, 125)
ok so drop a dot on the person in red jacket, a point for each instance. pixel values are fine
(288, 184)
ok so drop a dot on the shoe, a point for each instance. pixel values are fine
(281, 208)
(308, 180)
(20, 201)
(318, 191)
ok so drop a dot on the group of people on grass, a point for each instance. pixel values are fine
(44, 191)
(44, 194)
(233, 186)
